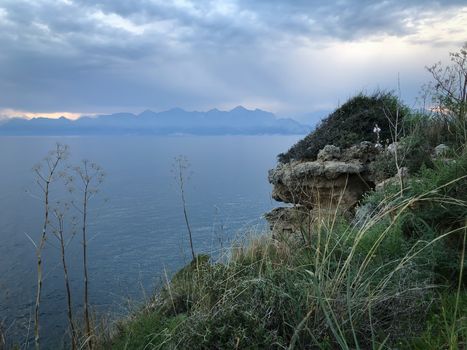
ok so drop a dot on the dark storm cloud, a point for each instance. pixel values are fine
(93, 55)
(347, 19)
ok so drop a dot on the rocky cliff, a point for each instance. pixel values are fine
(335, 181)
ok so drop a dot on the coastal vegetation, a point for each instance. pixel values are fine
(395, 278)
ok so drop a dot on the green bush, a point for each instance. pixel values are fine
(444, 210)
(444, 190)
(436, 205)
(351, 123)
(146, 329)
(383, 167)
(252, 311)
(429, 127)
(414, 152)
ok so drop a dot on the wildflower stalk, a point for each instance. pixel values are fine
(181, 165)
(90, 175)
(43, 180)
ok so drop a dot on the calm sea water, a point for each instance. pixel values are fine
(137, 230)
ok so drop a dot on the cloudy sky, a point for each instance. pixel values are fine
(296, 57)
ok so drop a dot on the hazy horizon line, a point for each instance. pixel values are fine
(18, 114)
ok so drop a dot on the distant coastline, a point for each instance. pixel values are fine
(176, 121)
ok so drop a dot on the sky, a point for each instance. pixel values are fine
(294, 58)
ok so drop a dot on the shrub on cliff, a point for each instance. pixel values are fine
(437, 213)
(414, 152)
(351, 123)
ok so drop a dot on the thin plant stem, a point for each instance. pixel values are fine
(181, 165)
(459, 285)
(85, 266)
(91, 175)
(44, 181)
(61, 238)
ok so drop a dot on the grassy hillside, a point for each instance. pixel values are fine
(395, 280)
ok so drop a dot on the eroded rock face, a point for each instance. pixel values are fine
(334, 183)
(287, 220)
(325, 184)
(336, 180)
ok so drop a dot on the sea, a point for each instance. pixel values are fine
(137, 233)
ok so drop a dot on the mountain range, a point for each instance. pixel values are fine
(239, 120)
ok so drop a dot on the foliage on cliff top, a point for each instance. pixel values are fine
(351, 123)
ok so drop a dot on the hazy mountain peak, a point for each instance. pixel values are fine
(147, 113)
(239, 109)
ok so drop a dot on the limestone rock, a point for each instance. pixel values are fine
(329, 152)
(288, 220)
(337, 179)
(441, 150)
(364, 151)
